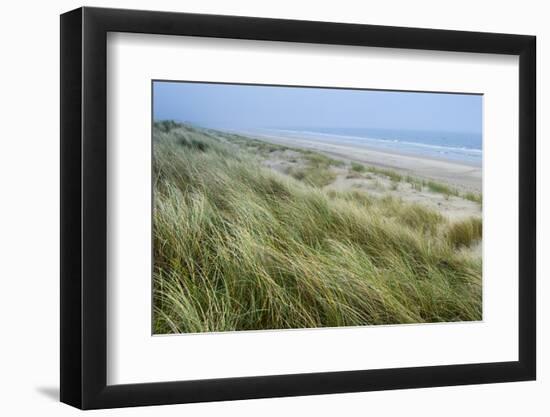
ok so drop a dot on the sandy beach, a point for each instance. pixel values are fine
(459, 175)
(463, 178)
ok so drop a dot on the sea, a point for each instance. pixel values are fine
(454, 146)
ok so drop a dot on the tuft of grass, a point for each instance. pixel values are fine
(317, 176)
(321, 160)
(475, 197)
(465, 232)
(166, 125)
(415, 183)
(392, 175)
(441, 188)
(317, 171)
(435, 187)
(237, 246)
(356, 167)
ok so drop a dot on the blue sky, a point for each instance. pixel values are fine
(243, 106)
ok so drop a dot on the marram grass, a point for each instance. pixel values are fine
(240, 247)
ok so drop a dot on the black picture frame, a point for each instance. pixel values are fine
(84, 207)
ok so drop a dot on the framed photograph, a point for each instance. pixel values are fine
(257, 208)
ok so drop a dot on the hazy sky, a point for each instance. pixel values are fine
(242, 106)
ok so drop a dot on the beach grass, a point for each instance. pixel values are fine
(316, 170)
(475, 197)
(238, 246)
(357, 167)
(391, 174)
(465, 232)
(435, 187)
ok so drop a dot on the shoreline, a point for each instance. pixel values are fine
(463, 176)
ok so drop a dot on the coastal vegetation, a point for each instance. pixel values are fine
(240, 246)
